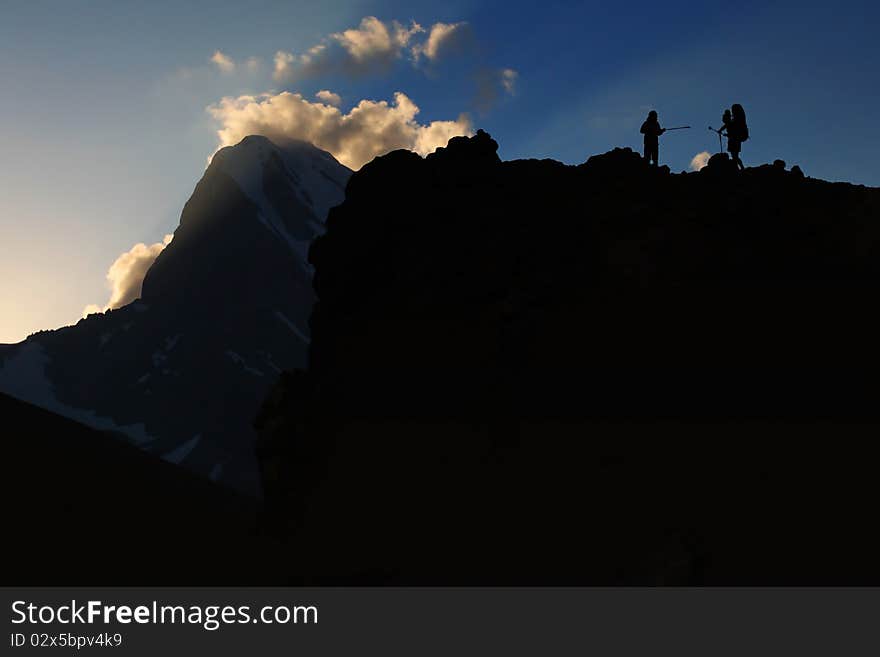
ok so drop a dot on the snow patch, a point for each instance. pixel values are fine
(319, 173)
(270, 361)
(302, 336)
(179, 453)
(238, 360)
(317, 180)
(160, 356)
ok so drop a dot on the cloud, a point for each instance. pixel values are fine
(371, 128)
(226, 65)
(252, 64)
(91, 309)
(283, 65)
(492, 84)
(126, 275)
(371, 47)
(328, 97)
(223, 62)
(700, 160)
(443, 39)
(373, 38)
(508, 80)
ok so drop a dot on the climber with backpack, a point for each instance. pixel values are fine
(737, 131)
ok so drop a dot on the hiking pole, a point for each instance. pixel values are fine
(682, 127)
(720, 143)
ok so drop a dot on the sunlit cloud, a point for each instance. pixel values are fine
(370, 48)
(699, 161)
(373, 38)
(328, 97)
(283, 65)
(508, 80)
(126, 275)
(443, 39)
(369, 129)
(373, 47)
(223, 62)
(252, 64)
(492, 84)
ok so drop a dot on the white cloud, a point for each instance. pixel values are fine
(508, 80)
(371, 128)
(404, 35)
(126, 274)
(373, 38)
(491, 84)
(700, 160)
(328, 97)
(223, 62)
(252, 64)
(375, 46)
(443, 39)
(371, 47)
(283, 65)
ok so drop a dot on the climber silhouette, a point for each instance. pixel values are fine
(726, 120)
(652, 131)
(737, 131)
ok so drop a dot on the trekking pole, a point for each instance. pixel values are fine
(682, 127)
(720, 143)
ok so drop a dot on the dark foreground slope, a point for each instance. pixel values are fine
(83, 507)
(524, 372)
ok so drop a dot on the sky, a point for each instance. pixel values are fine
(111, 109)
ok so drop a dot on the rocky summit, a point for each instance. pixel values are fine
(527, 372)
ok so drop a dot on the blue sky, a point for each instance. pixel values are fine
(104, 130)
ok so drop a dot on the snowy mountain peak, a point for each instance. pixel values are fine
(314, 175)
(224, 308)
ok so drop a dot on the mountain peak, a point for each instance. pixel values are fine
(224, 308)
(314, 174)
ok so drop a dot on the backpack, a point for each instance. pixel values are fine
(739, 119)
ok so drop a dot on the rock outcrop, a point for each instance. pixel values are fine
(526, 372)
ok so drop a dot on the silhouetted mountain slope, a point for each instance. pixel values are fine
(83, 507)
(528, 372)
(224, 308)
